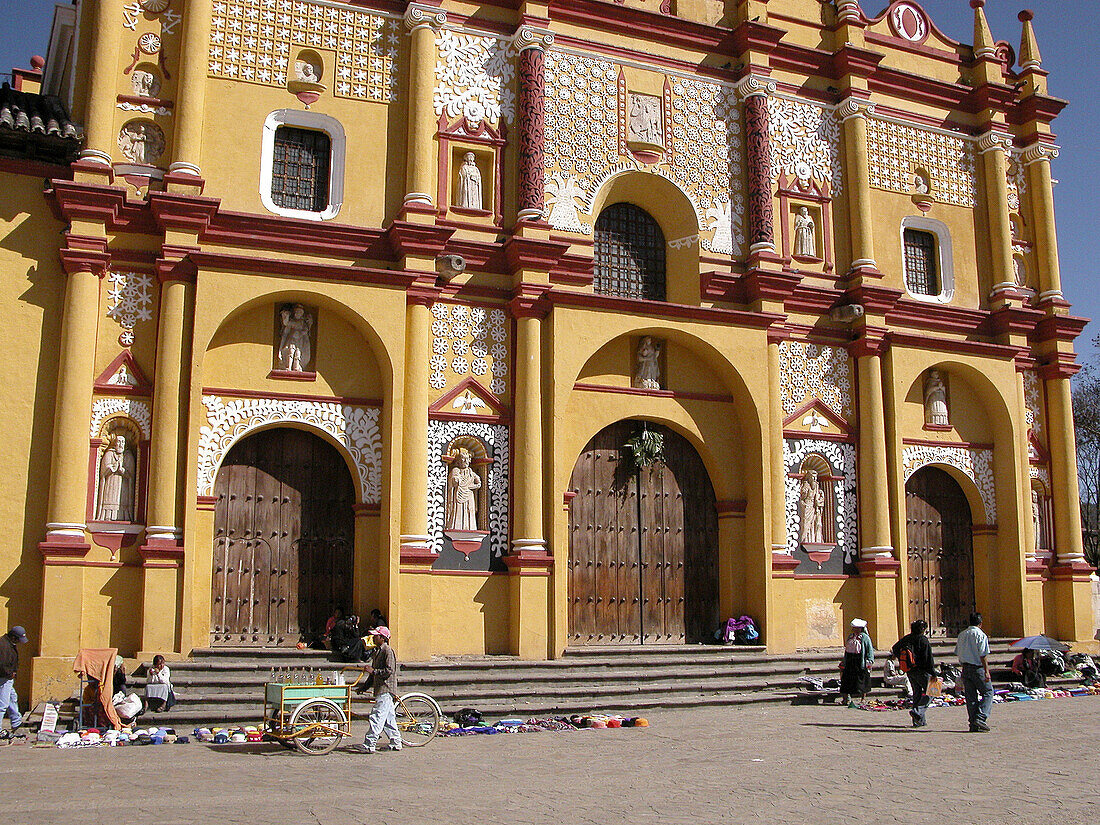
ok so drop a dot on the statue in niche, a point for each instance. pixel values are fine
(811, 509)
(462, 486)
(306, 71)
(116, 481)
(469, 183)
(648, 372)
(805, 244)
(1036, 518)
(294, 349)
(141, 142)
(145, 84)
(921, 184)
(935, 400)
(645, 119)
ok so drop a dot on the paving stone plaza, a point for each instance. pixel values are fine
(749, 764)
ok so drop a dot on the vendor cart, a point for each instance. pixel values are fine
(314, 717)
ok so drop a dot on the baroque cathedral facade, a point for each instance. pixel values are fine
(533, 324)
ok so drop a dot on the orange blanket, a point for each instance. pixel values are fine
(100, 664)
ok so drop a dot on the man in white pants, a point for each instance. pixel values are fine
(383, 671)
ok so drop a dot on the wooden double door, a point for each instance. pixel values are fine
(643, 561)
(283, 539)
(940, 551)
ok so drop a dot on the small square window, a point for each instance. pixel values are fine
(300, 169)
(921, 275)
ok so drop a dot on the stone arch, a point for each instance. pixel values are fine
(674, 211)
(974, 474)
(353, 429)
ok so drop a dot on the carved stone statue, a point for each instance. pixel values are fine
(648, 372)
(921, 184)
(116, 482)
(1036, 519)
(305, 71)
(145, 84)
(805, 244)
(811, 509)
(644, 124)
(294, 349)
(469, 183)
(935, 400)
(462, 486)
(141, 141)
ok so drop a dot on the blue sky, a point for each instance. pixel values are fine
(1067, 32)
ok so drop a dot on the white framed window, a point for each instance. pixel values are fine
(302, 165)
(927, 259)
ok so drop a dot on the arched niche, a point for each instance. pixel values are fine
(677, 217)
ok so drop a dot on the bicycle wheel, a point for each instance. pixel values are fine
(418, 719)
(317, 726)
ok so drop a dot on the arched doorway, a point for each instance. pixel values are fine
(940, 552)
(643, 545)
(283, 539)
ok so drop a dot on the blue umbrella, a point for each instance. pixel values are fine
(1039, 642)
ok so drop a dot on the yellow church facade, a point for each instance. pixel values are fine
(536, 325)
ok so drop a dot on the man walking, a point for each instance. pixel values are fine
(383, 717)
(9, 665)
(914, 651)
(972, 648)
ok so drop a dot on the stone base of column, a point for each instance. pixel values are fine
(783, 561)
(93, 166)
(63, 541)
(184, 179)
(878, 562)
(416, 551)
(529, 557)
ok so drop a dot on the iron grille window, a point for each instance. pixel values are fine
(630, 254)
(921, 276)
(300, 169)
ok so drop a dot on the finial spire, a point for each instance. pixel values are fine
(1029, 46)
(984, 45)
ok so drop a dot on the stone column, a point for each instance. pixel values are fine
(529, 561)
(65, 546)
(781, 559)
(857, 179)
(992, 146)
(1037, 160)
(190, 107)
(532, 44)
(100, 136)
(415, 541)
(163, 551)
(754, 91)
(423, 22)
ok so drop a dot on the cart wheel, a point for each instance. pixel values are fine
(318, 712)
(418, 719)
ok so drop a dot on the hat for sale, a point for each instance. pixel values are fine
(859, 623)
(18, 633)
(384, 632)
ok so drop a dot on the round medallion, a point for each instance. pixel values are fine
(149, 43)
(126, 338)
(909, 23)
(802, 170)
(154, 6)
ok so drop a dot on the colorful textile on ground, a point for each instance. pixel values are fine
(578, 722)
(1012, 694)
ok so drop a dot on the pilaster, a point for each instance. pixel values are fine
(423, 22)
(185, 171)
(1037, 158)
(532, 43)
(853, 114)
(754, 91)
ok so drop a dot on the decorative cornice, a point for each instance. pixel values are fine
(532, 37)
(533, 254)
(418, 16)
(405, 238)
(85, 254)
(184, 213)
(753, 85)
(530, 301)
(851, 60)
(1065, 328)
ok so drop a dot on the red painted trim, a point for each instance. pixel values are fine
(822, 576)
(727, 508)
(143, 387)
(35, 169)
(144, 101)
(368, 509)
(803, 435)
(676, 394)
(302, 269)
(228, 393)
(661, 309)
(939, 428)
(1001, 352)
(61, 549)
(206, 502)
(291, 375)
(439, 408)
(821, 407)
(924, 442)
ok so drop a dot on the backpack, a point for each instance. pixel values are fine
(907, 660)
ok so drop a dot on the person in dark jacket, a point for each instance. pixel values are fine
(916, 645)
(9, 666)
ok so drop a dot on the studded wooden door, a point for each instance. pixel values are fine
(940, 551)
(643, 545)
(283, 539)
